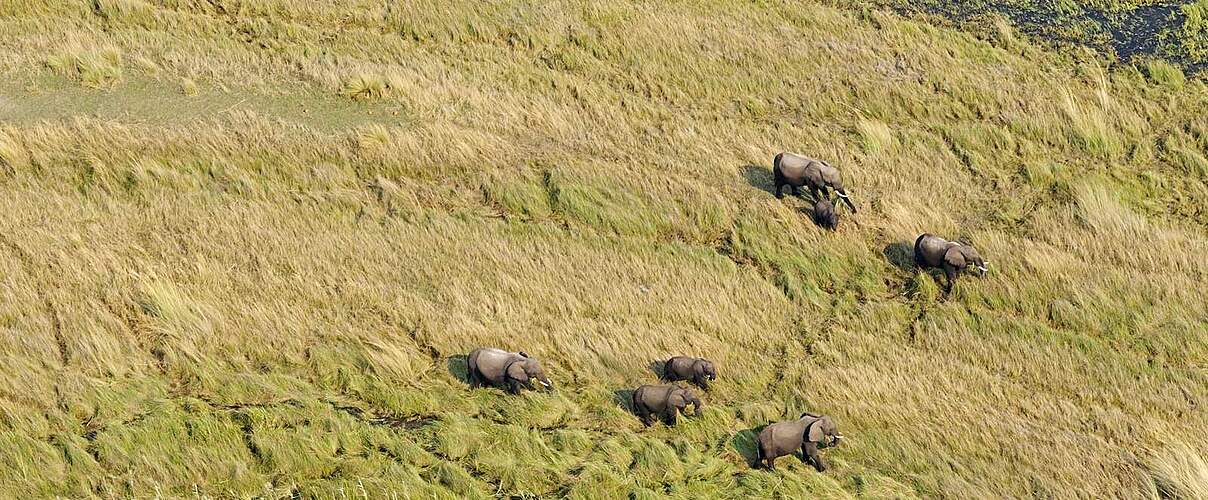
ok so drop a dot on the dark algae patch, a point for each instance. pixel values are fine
(1125, 31)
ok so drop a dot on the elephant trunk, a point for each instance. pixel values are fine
(843, 196)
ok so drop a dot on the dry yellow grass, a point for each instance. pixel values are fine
(267, 291)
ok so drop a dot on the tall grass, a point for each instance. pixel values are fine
(270, 288)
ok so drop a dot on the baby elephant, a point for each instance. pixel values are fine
(953, 257)
(824, 214)
(804, 435)
(496, 367)
(664, 401)
(697, 370)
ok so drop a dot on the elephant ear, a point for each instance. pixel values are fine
(955, 257)
(698, 368)
(677, 400)
(815, 432)
(515, 371)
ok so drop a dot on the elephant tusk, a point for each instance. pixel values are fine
(546, 384)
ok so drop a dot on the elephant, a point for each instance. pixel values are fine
(664, 401)
(697, 370)
(953, 257)
(804, 435)
(796, 171)
(495, 367)
(824, 214)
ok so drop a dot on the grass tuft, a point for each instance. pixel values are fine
(365, 86)
(13, 157)
(875, 136)
(1177, 470)
(1164, 73)
(91, 68)
(1090, 127)
(115, 10)
(188, 87)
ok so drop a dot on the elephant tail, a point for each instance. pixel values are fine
(634, 400)
(776, 163)
(918, 250)
(758, 453)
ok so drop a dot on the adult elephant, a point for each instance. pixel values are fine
(804, 435)
(954, 257)
(497, 367)
(697, 370)
(795, 171)
(664, 401)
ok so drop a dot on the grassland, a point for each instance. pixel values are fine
(244, 246)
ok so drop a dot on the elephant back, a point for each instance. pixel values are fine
(931, 249)
(791, 166)
(491, 363)
(678, 368)
(653, 396)
(781, 438)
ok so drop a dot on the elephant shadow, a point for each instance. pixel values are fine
(759, 178)
(658, 367)
(901, 255)
(624, 399)
(746, 443)
(459, 367)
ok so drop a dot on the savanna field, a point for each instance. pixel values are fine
(246, 245)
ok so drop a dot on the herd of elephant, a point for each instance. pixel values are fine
(930, 251)
(804, 436)
(489, 366)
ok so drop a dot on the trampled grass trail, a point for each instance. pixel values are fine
(245, 247)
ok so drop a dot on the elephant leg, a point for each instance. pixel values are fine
(779, 190)
(771, 463)
(669, 417)
(513, 387)
(950, 275)
(703, 383)
(643, 415)
(811, 450)
(796, 191)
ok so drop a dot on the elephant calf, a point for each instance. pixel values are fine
(697, 370)
(664, 401)
(931, 251)
(795, 171)
(804, 435)
(824, 214)
(497, 367)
